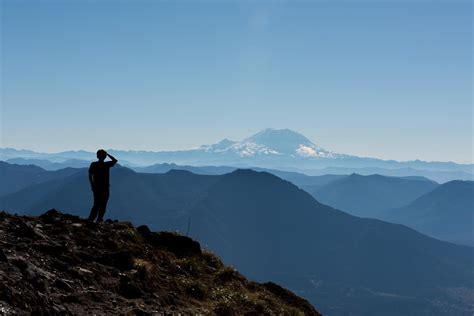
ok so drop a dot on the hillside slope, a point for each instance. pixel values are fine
(272, 230)
(446, 213)
(375, 267)
(367, 196)
(143, 198)
(16, 177)
(60, 264)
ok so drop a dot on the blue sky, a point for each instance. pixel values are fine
(383, 79)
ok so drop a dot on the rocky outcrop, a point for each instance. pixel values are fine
(59, 264)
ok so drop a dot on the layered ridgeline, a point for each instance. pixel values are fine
(59, 264)
(270, 148)
(446, 213)
(16, 177)
(368, 196)
(272, 230)
(50, 165)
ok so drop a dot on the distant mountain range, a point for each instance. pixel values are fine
(16, 177)
(50, 165)
(446, 212)
(272, 230)
(271, 148)
(374, 196)
(368, 196)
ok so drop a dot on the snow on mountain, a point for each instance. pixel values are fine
(249, 149)
(313, 151)
(271, 142)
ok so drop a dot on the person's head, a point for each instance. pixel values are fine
(101, 154)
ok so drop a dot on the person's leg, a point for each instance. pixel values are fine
(95, 208)
(103, 206)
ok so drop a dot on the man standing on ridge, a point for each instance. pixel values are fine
(99, 180)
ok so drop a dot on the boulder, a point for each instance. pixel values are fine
(181, 246)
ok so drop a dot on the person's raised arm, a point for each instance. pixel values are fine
(114, 161)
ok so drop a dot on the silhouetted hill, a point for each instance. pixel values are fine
(159, 198)
(59, 264)
(446, 212)
(440, 176)
(16, 177)
(283, 225)
(272, 230)
(165, 167)
(300, 179)
(367, 196)
(49, 165)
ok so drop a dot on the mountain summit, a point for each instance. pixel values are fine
(59, 264)
(278, 142)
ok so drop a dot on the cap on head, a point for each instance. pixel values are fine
(101, 154)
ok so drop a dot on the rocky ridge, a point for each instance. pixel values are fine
(59, 264)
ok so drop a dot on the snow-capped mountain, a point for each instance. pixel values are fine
(283, 142)
(270, 148)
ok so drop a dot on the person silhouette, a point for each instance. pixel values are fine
(99, 180)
